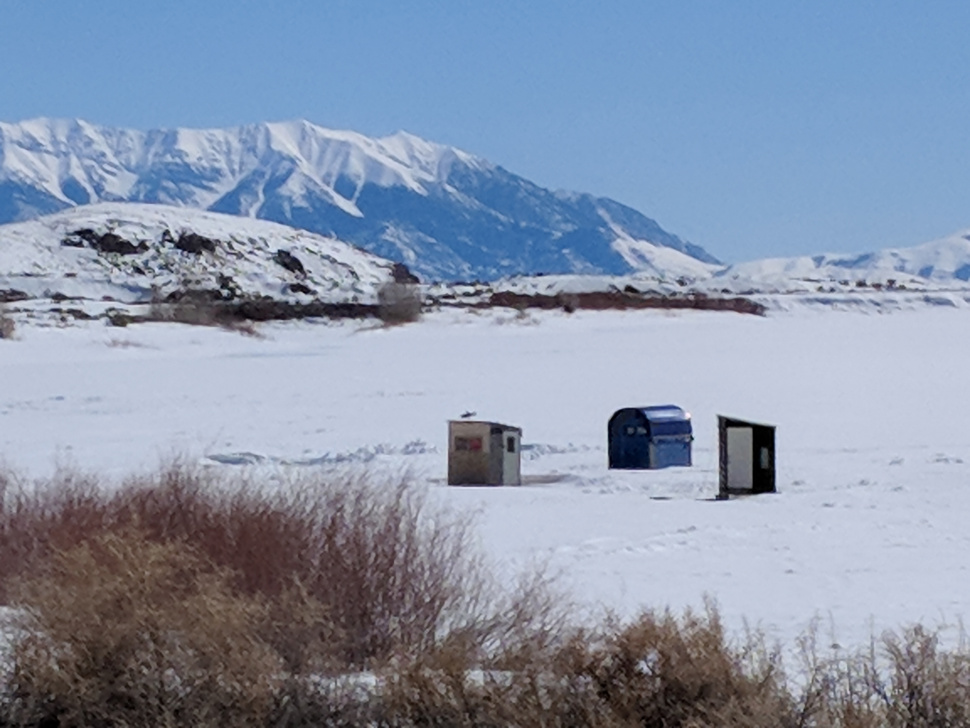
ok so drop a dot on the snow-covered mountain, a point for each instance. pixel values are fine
(136, 252)
(941, 262)
(445, 213)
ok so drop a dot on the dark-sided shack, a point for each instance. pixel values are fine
(746, 457)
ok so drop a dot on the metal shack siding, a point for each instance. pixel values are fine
(649, 438)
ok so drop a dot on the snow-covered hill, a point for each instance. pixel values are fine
(934, 273)
(445, 213)
(130, 253)
(939, 262)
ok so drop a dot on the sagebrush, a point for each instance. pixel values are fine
(194, 596)
(121, 630)
(389, 573)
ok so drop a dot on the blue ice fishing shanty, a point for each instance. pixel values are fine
(646, 438)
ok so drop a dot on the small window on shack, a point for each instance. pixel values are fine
(631, 430)
(641, 430)
(510, 443)
(765, 458)
(468, 443)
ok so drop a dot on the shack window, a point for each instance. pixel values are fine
(510, 443)
(765, 458)
(468, 443)
(631, 430)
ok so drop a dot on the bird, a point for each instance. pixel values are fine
(468, 414)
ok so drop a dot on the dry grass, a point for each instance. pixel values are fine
(901, 680)
(121, 631)
(656, 670)
(323, 576)
(201, 308)
(389, 575)
(191, 598)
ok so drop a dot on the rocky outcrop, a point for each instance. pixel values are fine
(108, 242)
(289, 261)
(195, 244)
(401, 274)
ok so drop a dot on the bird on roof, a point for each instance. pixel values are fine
(466, 415)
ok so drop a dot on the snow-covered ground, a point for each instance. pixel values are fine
(869, 529)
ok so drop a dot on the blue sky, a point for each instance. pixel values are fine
(753, 128)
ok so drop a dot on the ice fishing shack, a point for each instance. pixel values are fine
(484, 453)
(648, 438)
(746, 457)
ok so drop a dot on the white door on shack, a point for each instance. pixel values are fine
(740, 468)
(512, 458)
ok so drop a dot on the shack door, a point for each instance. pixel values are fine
(740, 471)
(512, 459)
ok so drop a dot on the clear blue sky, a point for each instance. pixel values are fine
(753, 128)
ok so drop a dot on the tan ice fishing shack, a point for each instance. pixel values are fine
(484, 453)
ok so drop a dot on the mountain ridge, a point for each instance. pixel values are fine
(445, 213)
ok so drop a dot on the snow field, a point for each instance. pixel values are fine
(868, 530)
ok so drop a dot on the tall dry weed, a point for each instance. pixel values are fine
(123, 631)
(195, 596)
(382, 573)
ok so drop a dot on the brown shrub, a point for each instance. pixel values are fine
(38, 518)
(195, 307)
(186, 594)
(623, 300)
(366, 568)
(123, 631)
(900, 680)
(200, 308)
(663, 670)
(926, 686)
(657, 670)
(7, 326)
(321, 577)
(399, 303)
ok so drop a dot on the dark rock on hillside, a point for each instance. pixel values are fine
(289, 261)
(195, 244)
(301, 288)
(229, 288)
(108, 242)
(401, 274)
(10, 295)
